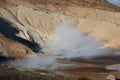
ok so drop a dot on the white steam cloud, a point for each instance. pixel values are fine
(35, 62)
(72, 43)
(67, 41)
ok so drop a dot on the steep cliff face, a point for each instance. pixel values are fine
(36, 21)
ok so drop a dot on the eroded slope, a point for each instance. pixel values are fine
(37, 20)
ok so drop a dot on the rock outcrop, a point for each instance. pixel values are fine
(12, 49)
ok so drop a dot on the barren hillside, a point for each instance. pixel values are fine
(35, 20)
(26, 27)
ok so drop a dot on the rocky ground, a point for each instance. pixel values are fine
(9, 73)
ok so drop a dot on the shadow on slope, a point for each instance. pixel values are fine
(9, 31)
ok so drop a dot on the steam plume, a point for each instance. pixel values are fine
(67, 41)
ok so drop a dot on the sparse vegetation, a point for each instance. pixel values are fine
(8, 73)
